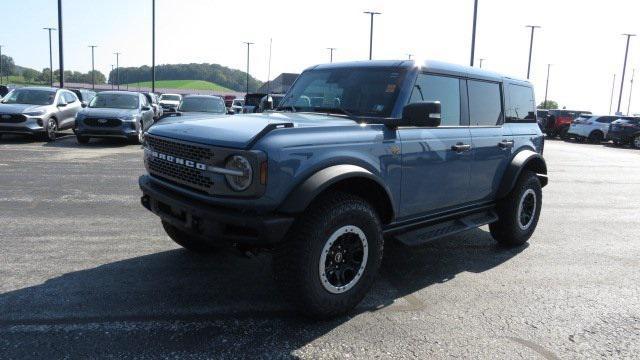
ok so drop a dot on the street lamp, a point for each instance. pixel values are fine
(153, 46)
(50, 29)
(546, 89)
(473, 31)
(613, 86)
(624, 69)
(533, 28)
(248, 45)
(117, 54)
(409, 56)
(631, 91)
(1, 65)
(93, 70)
(372, 13)
(60, 52)
(331, 54)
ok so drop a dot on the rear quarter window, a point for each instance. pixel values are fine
(520, 104)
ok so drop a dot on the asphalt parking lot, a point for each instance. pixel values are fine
(87, 272)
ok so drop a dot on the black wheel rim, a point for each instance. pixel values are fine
(527, 209)
(343, 260)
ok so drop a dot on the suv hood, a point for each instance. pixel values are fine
(238, 131)
(19, 108)
(111, 113)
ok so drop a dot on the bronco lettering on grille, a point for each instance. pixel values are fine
(179, 161)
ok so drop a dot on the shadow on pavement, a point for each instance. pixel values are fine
(66, 140)
(213, 300)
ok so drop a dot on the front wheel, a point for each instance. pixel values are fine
(519, 212)
(51, 130)
(331, 257)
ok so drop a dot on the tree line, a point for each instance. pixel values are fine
(221, 75)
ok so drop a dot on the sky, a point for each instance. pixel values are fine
(581, 39)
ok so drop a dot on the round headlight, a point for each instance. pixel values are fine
(239, 182)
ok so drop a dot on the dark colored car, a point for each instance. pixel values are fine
(114, 114)
(625, 130)
(84, 95)
(252, 103)
(558, 122)
(355, 155)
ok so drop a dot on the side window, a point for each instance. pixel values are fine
(521, 105)
(443, 89)
(143, 101)
(606, 119)
(69, 97)
(485, 104)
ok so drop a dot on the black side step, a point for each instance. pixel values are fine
(446, 228)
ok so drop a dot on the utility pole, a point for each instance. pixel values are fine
(153, 46)
(613, 85)
(409, 55)
(633, 74)
(93, 69)
(372, 13)
(111, 76)
(1, 65)
(117, 54)
(481, 61)
(624, 69)
(331, 54)
(473, 32)
(546, 89)
(50, 29)
(248, 45)
(533, 28)
(60, 51)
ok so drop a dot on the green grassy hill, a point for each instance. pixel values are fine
(183, 84)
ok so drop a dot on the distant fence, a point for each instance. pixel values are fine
(130, 87)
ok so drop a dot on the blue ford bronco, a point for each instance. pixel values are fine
(355, 154)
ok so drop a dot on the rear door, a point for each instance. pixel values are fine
(491, 141)
(436, 161)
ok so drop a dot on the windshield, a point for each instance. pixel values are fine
(30, 97)
(170, 97)
(115, 101)
(202, 104)
(356, 91)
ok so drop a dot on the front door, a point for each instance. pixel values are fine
(436, 161)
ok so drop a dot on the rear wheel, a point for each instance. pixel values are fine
(187, 241)
(518, 213)
(596, 137)
(331, 257)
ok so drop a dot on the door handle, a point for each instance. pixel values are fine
(505, 144)
(460, 147)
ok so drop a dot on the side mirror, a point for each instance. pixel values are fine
(145, 108)
(421, 114)
(83, 104)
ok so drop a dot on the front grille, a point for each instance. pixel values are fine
(102, 122)
(181, 150)
(191, 177)
(12, 118)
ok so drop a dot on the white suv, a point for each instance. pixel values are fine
(589, 127)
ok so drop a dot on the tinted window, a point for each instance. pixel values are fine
(606, 119)
(443, 89)
(521, 106)
(69, 97)
(203, 104)
(170, 97)
(485, 106)
(114, 101)
(30, 97)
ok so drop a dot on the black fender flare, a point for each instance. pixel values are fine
(304, 193)
(524, 159)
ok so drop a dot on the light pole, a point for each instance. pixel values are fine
(481, 61)
(546, 89)
(111, 73)
(533, 28)
(117, 54)
(1, 65)
(624, 69)
(153, 46)
(633, 74)
(248, 45)
(331, 54)
(613, 85)
(60, 52)
(93, 69)
(409, 56)
(372, 13)
(473, 31)
(50, 29)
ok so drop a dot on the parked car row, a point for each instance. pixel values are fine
(621, 130)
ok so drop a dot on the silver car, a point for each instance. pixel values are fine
(39, 111)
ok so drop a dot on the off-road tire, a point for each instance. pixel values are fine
(187, 241)
(297, 262)
(83, 139)
(508, 230)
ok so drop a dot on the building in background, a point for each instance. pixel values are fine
(279, 85)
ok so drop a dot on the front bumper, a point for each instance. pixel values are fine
(32, 125)
(211, 223)
(126, 131)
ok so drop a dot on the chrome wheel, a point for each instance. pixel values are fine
(52, 128)
(343, 259)
(527, 209)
